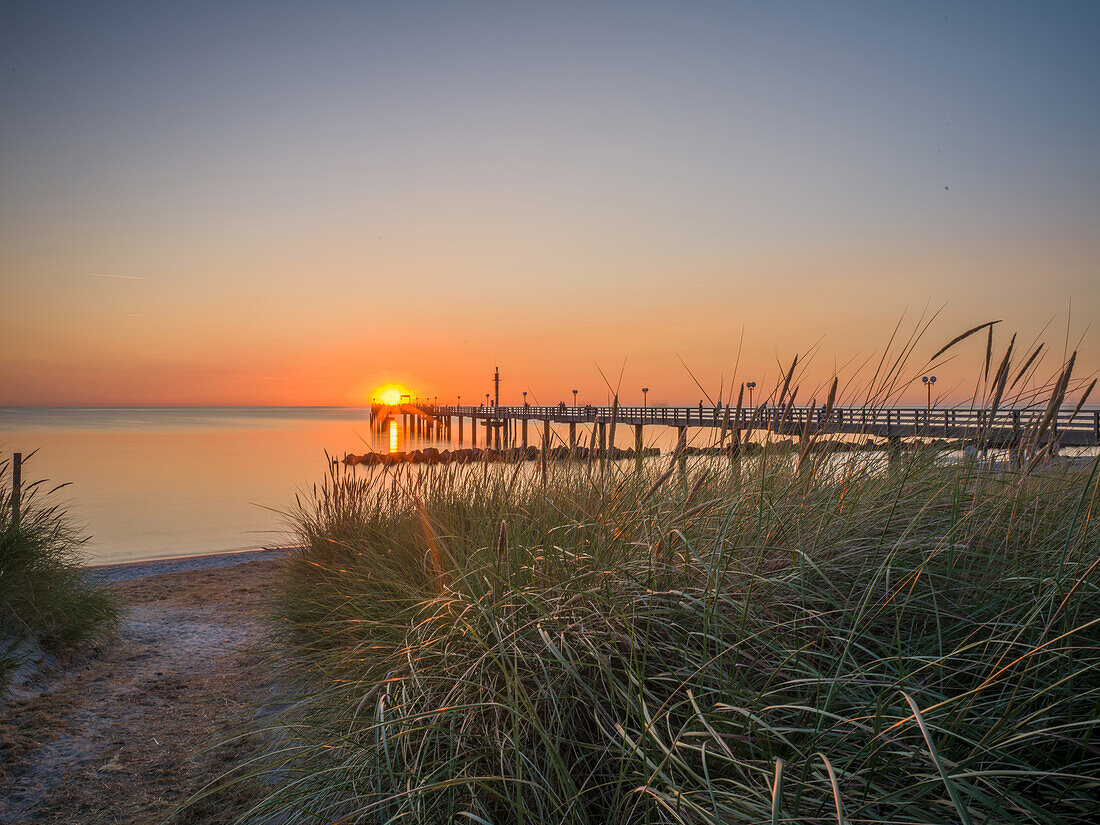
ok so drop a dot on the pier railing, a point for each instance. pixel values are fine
(1006, 425)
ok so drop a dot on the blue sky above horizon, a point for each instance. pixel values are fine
(271, 203)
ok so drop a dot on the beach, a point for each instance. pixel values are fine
(129, 731)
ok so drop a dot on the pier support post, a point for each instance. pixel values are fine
(638, 447)
(572, 436)
(460, 430)
(545, 446)
(524, 431)
(489, 434)
(681, 445)
(602, 429)
(473, 431)
(893, 451)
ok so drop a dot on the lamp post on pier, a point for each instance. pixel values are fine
(574, 398)
(645, 392)
(929, 380)
(751, 386)
(525, 399)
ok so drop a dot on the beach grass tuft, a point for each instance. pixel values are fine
(47, 601)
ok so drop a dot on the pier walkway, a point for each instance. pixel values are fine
(1004, 427)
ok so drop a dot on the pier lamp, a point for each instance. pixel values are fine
(525, 398)
(574, 398)
(486, 399)
(929, 380)
(752, 386)
(645, 392)
(460, 401)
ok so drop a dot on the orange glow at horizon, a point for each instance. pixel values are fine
(390, 394)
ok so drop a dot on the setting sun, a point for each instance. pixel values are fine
(390, 394)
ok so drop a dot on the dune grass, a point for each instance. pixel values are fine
(810, 636)
(918, 644)
(45, 597)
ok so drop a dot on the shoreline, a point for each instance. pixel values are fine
(144, 568)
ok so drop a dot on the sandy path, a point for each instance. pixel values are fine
(129, 733)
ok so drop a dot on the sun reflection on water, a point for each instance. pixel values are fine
(393, 436)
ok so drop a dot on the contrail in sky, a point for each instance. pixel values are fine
(107, 275)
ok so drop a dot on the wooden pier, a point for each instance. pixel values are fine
(505, 426)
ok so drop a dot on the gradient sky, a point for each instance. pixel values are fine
(272, 203)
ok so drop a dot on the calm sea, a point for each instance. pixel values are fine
(158, 482)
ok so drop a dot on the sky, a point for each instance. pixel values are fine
(212, 203)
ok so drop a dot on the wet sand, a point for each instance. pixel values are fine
(133, 729)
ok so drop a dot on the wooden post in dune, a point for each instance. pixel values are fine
(545, 446)
(16, 487)
(572, 436)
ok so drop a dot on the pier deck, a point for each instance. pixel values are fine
(1006, 426)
